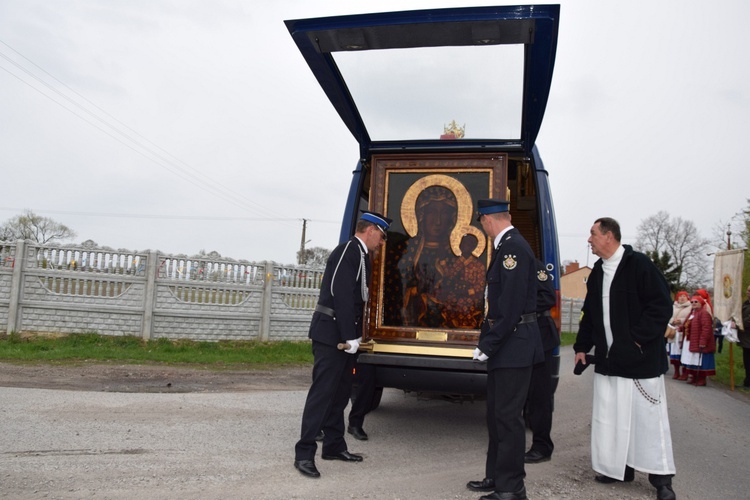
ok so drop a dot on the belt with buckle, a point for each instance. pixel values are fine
(525, 318)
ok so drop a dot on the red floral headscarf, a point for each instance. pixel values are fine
(699, 299)
(680, 294)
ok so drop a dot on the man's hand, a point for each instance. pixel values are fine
(353, 346)
(580, 356)
(582, 362)
(479, 355)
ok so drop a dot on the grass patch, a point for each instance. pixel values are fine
(94, 347)
(567, 338)
(723, 366)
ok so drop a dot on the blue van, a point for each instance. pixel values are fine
(446, 105)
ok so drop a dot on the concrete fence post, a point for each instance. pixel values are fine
(16, 288)
(265, 307)
(152, 268)
(571, 311)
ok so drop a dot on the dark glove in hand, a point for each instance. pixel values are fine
(580, 366)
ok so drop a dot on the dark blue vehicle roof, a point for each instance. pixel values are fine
(330, 44)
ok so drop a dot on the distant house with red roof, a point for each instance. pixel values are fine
(573, 281)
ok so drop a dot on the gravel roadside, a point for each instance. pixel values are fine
(156, 432)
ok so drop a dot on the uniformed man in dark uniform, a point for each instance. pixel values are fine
(337, 320)
(364, 392)
(511, 345)
(539, 404)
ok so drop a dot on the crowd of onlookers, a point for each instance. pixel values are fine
(694, 335)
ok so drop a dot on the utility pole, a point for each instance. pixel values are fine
(301, 259)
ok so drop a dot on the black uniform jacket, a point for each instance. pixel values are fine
(511, 292)
(744, 333)
(341, 290)
(546, 298)
(639, 310)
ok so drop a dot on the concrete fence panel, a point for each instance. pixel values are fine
(68, 289)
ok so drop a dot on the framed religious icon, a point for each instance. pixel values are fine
(428, 280)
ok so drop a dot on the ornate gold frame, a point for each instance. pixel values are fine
(397, 181)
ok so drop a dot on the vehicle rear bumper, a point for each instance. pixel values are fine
(428, 373)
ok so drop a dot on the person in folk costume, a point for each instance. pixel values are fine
(680, 312)
(510, 343)
(708, 306)
(718, 338)
(699, 345)
(626, 310)
(337, 320)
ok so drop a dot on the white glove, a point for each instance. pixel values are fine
(479, 355)
(353, 346)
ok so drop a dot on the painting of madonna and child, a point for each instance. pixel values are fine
(432, 274)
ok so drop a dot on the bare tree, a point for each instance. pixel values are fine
(6, 233)
(652, 233)
(680, 239)
(29, 226)
(312, 257)
(738, 227)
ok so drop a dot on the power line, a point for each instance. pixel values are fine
(197, 178)
(170, 217)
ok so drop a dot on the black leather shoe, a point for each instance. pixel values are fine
(486, 484)
(601, 478)
(320, 436)
(345, 456)
(507, 495)
(357, 432)
(535, 457)
(307, 468)
(665, 493)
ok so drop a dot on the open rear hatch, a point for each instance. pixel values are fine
(398, 80)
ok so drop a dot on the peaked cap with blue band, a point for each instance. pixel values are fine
(492, 206)
(376, 219)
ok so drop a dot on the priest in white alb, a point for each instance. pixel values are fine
(626, 311)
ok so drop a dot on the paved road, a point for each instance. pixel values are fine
(72, 444)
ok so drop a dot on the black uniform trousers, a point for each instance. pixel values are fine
(363, 394)
(506, 394)
(328, 396)
(540, 405)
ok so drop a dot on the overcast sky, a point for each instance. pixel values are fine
(196, 125)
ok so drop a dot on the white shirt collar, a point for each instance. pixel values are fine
(363, 243)
(501, 234)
